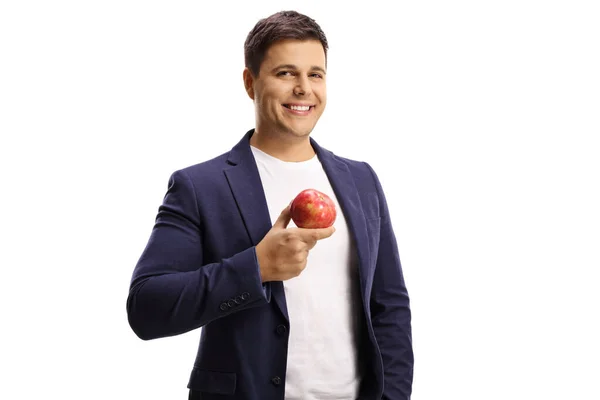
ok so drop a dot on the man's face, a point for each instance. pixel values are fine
(290, 92)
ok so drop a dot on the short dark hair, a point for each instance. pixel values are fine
(279, 26)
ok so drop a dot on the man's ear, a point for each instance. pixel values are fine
(248, 83)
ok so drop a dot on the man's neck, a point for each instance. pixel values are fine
(289, 151)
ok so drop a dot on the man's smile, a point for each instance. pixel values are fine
(299, 109)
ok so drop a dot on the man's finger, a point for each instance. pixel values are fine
(284, 218)
(312, 235)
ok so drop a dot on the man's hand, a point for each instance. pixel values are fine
(283, 252)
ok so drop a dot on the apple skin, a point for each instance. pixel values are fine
(313, 209)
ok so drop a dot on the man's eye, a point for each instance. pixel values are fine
(284, 73)
(318, 76)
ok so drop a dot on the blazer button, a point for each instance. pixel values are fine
(281, 329)
(276, 380)
(224, 307)
(238, 299)
(245, 295)
(231, 303)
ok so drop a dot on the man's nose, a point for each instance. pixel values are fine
(302, 87)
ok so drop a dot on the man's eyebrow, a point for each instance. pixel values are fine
(292, 66)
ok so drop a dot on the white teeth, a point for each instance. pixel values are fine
(300, 108)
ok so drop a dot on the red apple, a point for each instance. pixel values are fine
(313, 209)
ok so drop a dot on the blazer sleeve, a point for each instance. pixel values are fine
(390, 310)
(171, 290)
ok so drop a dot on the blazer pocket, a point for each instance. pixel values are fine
(213, 381)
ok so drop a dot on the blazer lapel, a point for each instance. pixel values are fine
(347, 195)
(244, 180)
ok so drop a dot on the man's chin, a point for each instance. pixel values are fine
(301, 131)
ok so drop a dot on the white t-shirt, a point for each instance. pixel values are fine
(323, 302)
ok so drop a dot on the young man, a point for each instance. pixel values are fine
(286, 313)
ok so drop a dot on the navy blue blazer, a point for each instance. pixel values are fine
(199, 269)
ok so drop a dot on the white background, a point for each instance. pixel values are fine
(481, 119)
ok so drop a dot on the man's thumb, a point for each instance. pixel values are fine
(284, 218)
